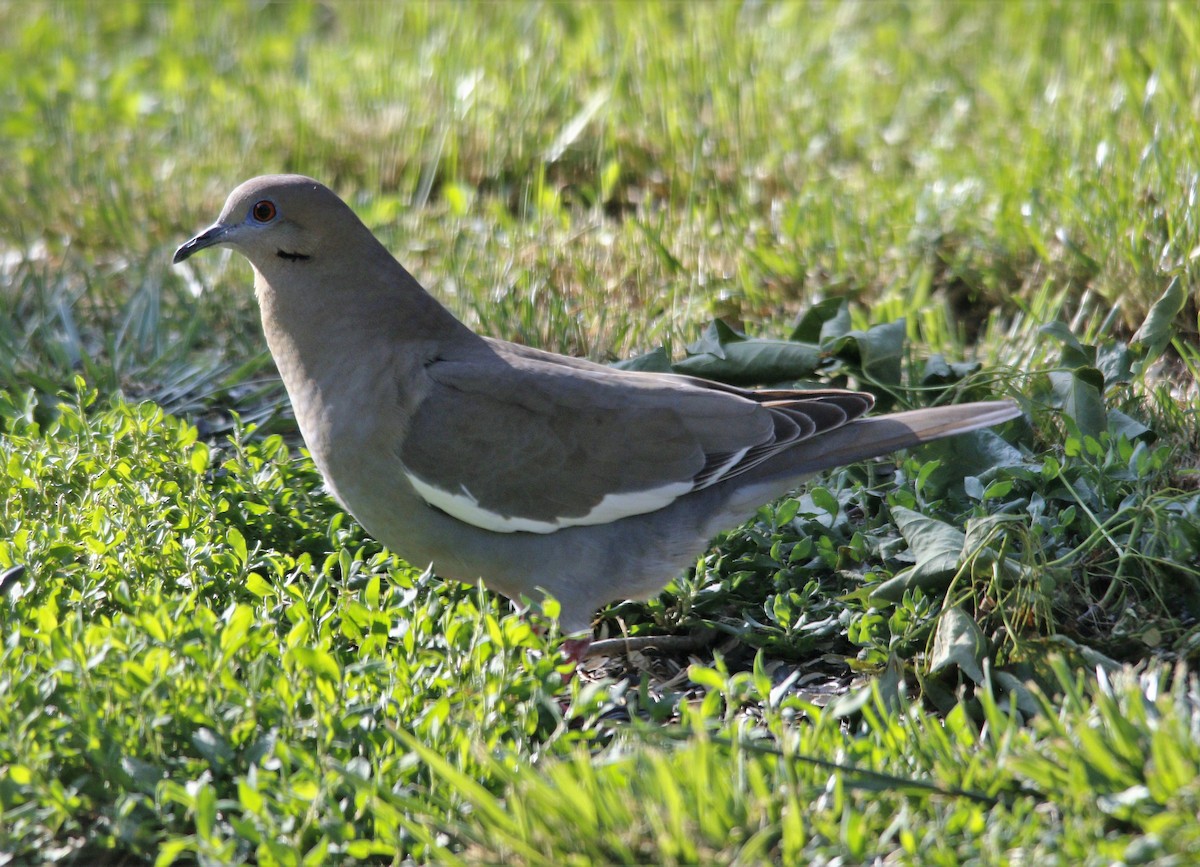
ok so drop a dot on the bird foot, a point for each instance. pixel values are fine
(575, 649)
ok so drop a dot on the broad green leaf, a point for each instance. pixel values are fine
(1074, 353)
(237, 626)
(1013, 685)
(317, 662)
(258, 585)
(882, 349)
(249, 797)
(1080, 394)
(938, 548)
(206, 811)
(211, 745)
(787, 511)
(1160, 325)
(238, 543)
(978, 453)
(145, 775)
(998, 490)
(169, 851)
(878, 351)
(940, 372)
(823, 499)
(823, 321)
(926, 472)
(1120, 424)
(1115, 363)
(198, 460)
(754, 362)
(714, 339)
(936, 545)
(959, 643)
(655, 361)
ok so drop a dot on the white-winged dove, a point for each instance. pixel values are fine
(534, 472)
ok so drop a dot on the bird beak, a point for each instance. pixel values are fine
(210, 237)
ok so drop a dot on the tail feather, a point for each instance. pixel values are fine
(880, 435)
(860, 439)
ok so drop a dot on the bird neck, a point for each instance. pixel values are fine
(375, 300)
(316, 323)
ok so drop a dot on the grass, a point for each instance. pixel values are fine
(982, 652)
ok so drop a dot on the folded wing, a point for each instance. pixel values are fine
(548, 445)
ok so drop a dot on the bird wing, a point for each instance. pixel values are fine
(511, 439)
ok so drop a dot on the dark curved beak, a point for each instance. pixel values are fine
(211, 236)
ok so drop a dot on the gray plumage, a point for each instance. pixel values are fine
(534, 472)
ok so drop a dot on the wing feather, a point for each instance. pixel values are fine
(516, 440)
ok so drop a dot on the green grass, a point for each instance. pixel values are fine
(981, 652)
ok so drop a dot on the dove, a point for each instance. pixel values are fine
(537, 473)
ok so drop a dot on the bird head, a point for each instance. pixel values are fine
(274, 219)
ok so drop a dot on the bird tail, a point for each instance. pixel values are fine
(867, 438)
(880, 435)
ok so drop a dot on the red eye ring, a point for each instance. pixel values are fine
(264, 211)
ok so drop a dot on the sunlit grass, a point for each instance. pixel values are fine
(965, 654)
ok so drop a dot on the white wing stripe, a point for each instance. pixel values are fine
(719, 473)
(613, 507)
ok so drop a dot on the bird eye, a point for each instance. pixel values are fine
(263, 212)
